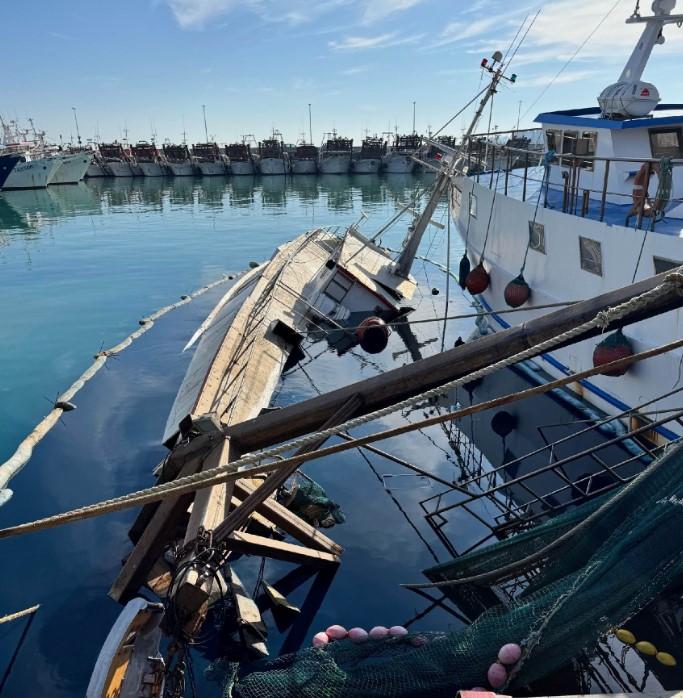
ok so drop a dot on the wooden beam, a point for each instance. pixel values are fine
(258, 496)
(406, 381)
(288, 521)
(278, 550)
(152, 541)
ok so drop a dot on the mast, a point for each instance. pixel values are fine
(413, 117)
(417, 229)
(310, 126)
(78, 132)
(206, 132)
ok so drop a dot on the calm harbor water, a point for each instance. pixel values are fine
(79, 266)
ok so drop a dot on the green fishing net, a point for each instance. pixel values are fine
(309, 501)
(628, 553)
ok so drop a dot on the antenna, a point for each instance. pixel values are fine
(78, 132)
(414, 118)
(310, 126)
(206, 132)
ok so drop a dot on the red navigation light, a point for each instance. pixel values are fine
(484, 62)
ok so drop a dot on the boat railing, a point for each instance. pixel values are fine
(485, 158)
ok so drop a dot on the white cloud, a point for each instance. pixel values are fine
(356, 70)
(379, 9)
(361, 43)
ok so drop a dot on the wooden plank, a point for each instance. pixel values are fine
(289, 522)
(240, 515)
(252, 627)
(210, 504)
(406, 381)
(250, 544)
(152, 542)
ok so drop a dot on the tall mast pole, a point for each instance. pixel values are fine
(78, 132)
(413, 117)
(310, 126)
(206, 131)
(407, 257)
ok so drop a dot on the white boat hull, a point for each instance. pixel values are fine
(212, 169)
(560, 275)
(304, 166)
(239, 167)
(335, 164)
(95, 170)
(366, 166)
(399, 164)
(72, 169)
(117, 168)
(273, 166)
(181, 169)
(34, 174)
(151, 169)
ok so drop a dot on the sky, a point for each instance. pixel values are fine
(148, 66)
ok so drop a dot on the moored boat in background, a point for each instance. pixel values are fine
(241, 160)
(178, 159)
(398, 159)
(273, 158)
(305, 159)
(208, 159)
(335, 155)
(117, 162)
(148, 159)
(369, 160)
(73, 166)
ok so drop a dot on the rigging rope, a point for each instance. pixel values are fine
(673, 282)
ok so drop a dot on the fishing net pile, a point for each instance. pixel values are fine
(309, 501)
(626, 552)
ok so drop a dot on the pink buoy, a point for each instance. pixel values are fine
(497, 675)
(479, 689)
(358, 635)
(397, 630)
(509, 654)
(336, 632)
(379, 632)
(320, 640)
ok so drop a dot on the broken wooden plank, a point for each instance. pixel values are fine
(289, 522)
(252, 627)
(240, 515)
(250, 544)
(151, 544)
(278, 600)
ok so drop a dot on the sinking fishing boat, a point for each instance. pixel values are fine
(369, 159)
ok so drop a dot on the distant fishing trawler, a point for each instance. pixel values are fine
(274, 159)
(596, 213)
(117, 161)
(241, 160)
(335, 155)
(305, 159)
(178, 159)
(208, 159)
(370, 157)
(149, 159)
(399, 159)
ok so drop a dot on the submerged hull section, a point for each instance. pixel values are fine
(151, 169)
(335, 164)
(274, 166)
(212, 169)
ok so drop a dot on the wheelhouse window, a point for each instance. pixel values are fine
(666, 142)
(586, 144)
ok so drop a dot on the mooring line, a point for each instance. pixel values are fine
(62, 404)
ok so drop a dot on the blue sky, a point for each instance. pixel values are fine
(256, 64)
